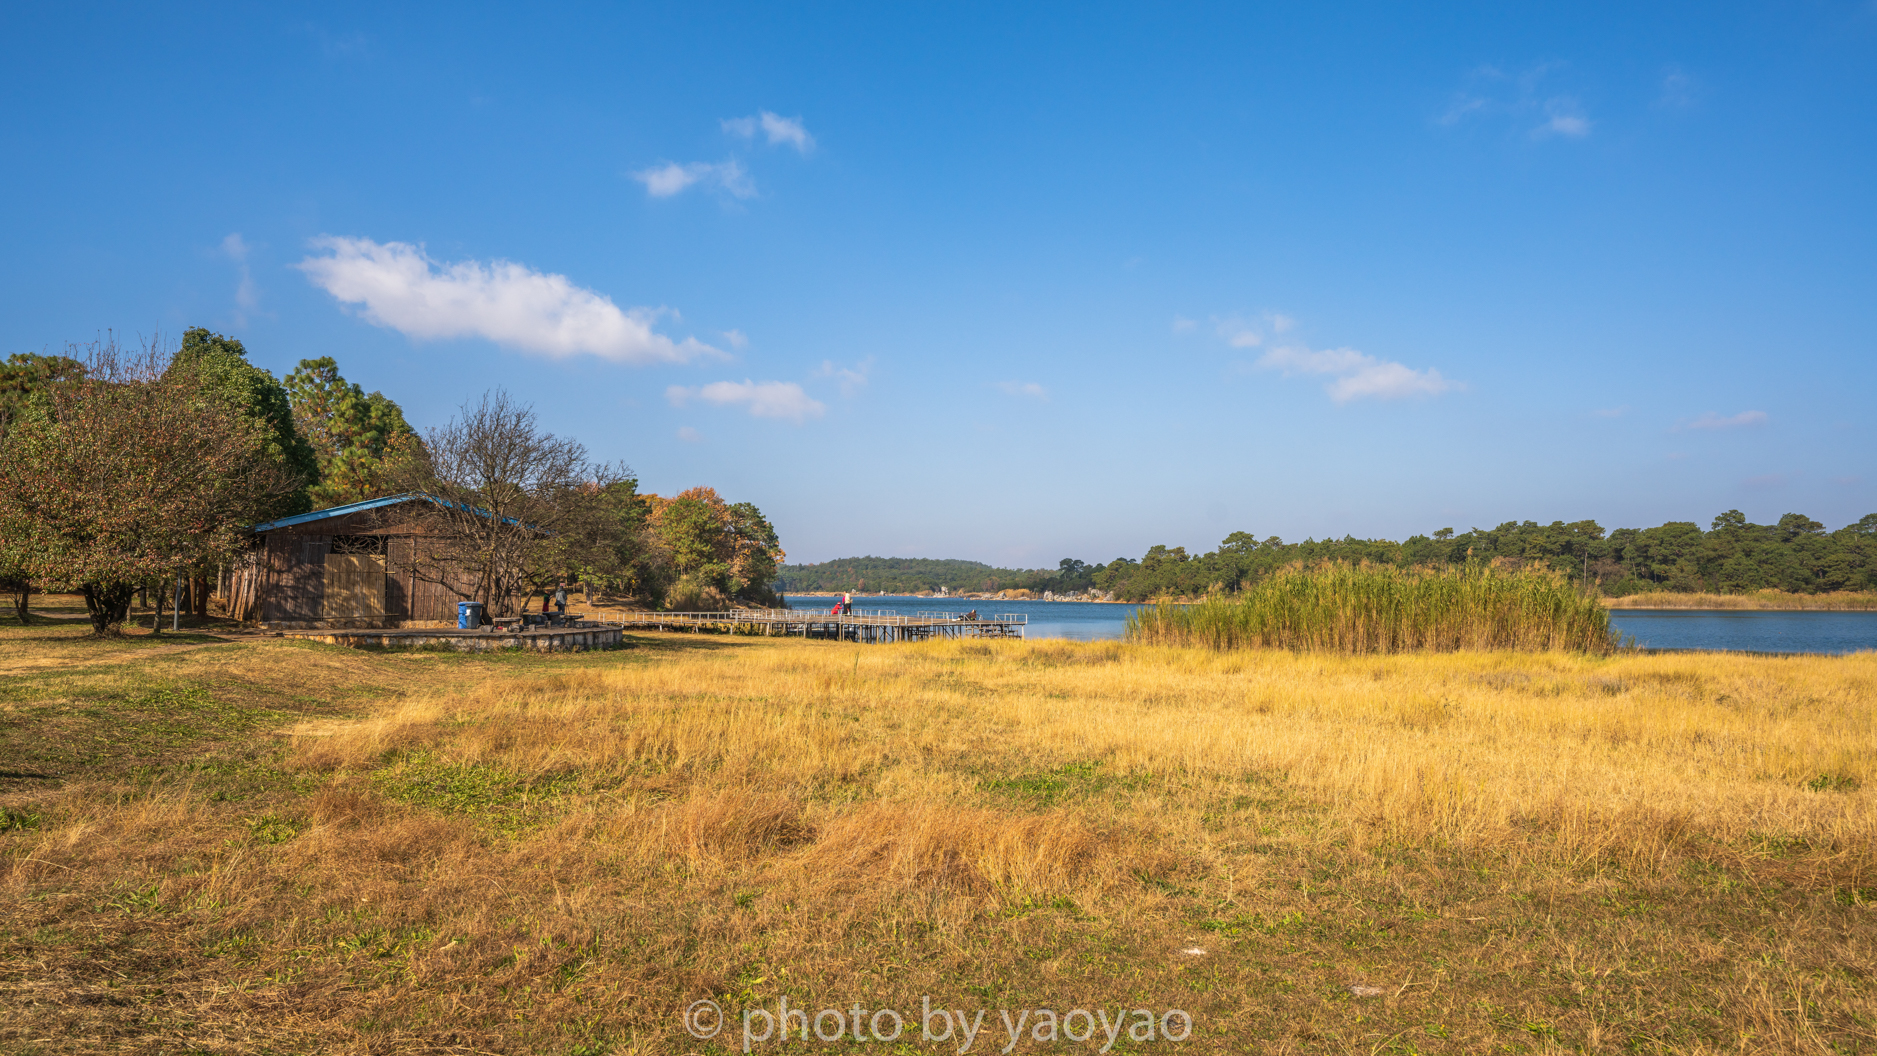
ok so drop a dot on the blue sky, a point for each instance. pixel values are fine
(957, 282)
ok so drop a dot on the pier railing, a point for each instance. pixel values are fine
(876, 625)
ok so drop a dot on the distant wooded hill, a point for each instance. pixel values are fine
(1797, 554)
(899, 575)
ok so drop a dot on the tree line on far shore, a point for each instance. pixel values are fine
(1733, 556)
(129, 469)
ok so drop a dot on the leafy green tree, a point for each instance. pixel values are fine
(141, 468)
(23, 377)
(26, 373)
(219, 365)
(717, 552)
(355, 435)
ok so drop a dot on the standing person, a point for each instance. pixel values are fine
(560, 599)
(847, 604)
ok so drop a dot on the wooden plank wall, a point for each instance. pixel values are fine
(285, 577)
(355, 587)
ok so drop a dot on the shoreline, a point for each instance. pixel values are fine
(1764, 601)
(1759, 601)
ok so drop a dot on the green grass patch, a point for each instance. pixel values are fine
(423, 779)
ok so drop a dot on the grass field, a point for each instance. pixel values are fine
(273, 847)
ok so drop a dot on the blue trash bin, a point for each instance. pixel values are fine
(468, 615)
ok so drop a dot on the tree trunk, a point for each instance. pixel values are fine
(109, 606)
(199, 596)
(19, 603)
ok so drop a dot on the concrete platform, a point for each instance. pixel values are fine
(557, 640)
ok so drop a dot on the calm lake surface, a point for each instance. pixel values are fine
(1752, 632)
(1083, 621)
(1749, 631)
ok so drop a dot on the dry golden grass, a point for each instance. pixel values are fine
(1842, 600)
(1518, 852)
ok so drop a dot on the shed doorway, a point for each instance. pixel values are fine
(355, 581)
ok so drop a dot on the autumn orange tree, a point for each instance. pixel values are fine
(716, 551)
(138, 468)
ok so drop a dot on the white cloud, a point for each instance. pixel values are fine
(690, 435)
(736, 339)
(1358, 374)
(1563, 118)
(765, 399)
(1493, 94)
(851, 379)
(775, 127)
(1678, 90)
(398, 286)
(1711, 420)
(663, 181)
(1240, 334)
(1183, 325)
(1461, 106)
(247, 298)
(1023, 388)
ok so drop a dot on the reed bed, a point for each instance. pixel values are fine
(1362, 609)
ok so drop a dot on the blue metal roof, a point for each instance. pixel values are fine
(375, 504)
(341, 511)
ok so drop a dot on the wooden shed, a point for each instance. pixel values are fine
(349, 566)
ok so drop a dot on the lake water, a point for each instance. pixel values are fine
(1083, 621)
(1745, 631)
(1760, 631)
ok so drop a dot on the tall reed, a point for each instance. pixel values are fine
(1367, 608)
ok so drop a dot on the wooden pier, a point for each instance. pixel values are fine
(868, 627)
(587, 635)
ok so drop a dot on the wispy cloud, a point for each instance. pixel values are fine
(663, 181)
(1358, 375)
(1023, 388)
(763, 399)
(1183, 325)
(247, 298)
(690, 435)
(776, 128)
(1711, 420)
(1563, 118)
(397, 286)
(1240, 333)
(1490, 92)
(736, 339)
(1355, 375)
(1679, 90)
(851, 379)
